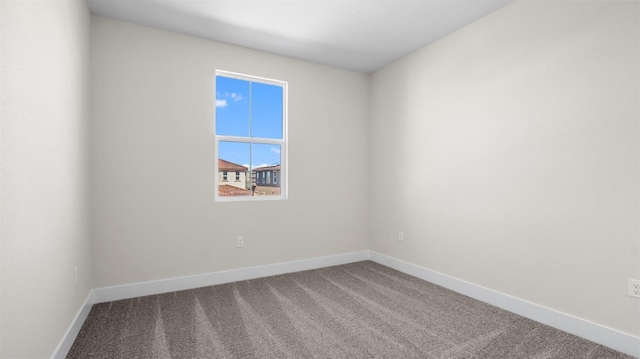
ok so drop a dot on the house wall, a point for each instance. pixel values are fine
(231, 179)
(521, 133)
(152, 159)
(44, 57)
(263, 182)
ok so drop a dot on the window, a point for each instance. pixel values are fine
(250, 136)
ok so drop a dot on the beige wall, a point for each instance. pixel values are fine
(521, 131)
(152, 172)
(43, 193)
(231, 179)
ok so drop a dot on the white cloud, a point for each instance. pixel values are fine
(275, 149)
(222, 101)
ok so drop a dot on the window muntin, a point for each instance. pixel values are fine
(250, 124)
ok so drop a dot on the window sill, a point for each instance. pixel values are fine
(250, 198)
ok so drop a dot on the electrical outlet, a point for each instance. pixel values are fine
(75, 275)
(634, 288)
(401, 236)
(240, 242)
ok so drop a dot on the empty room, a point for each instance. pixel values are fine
(319, 179)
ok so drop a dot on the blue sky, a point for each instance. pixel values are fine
(233, 105)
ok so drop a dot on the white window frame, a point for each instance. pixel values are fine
(284, 155)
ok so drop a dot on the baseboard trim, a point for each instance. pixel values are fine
(597, 333)
(70, 335)
(101, 295)
(134, 290)
(609, 337)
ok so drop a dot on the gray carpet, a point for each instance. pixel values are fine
(359, 310)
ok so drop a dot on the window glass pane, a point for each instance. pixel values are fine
(266, 111)
(248, 110)
(266, 163)
(232, 107)
(233, 158)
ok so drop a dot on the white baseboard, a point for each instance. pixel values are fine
(101, 295)
(134, 290)
(609, 337)
(70, 335)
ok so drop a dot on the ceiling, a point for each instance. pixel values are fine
(357, 35)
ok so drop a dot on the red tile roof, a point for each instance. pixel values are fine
(226, 190)
(267, 168)
(224, 165)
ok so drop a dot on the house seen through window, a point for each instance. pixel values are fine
(250, 137)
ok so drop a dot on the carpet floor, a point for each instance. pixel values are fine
(358, 310)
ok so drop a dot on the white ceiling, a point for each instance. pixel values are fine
(358, 35)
